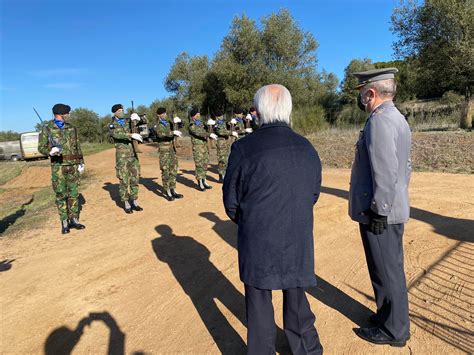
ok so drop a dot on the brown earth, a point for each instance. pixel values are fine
(165, 280)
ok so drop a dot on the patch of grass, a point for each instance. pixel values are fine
(10, 170)
(92, 148)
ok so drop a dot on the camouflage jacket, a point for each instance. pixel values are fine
(240, 127)
(198, 132)
(66, 138)
(221, 129)
(164, 131)
(120, 136)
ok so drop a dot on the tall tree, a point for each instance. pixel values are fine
(186, 79)
(87, 123)
(440, 34)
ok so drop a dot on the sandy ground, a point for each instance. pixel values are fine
(166, 280)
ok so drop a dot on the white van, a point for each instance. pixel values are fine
(29, 145)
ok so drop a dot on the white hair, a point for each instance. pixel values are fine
(273, 104)
(385, 88)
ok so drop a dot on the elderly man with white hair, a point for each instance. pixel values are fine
(272, 182)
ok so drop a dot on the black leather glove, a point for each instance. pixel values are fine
(377, 223)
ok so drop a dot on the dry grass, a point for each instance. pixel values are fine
(448, 151)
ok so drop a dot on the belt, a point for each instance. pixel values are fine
(71, 157)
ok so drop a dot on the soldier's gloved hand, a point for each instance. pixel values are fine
(248, 117)
(137, 137)
(233, 121)
(81, 168)
(211, 122)
(177, 120)
(55, 151)
(135, 117)
(249, 130)
(178, 133)
(235, 134)
(377, 223)
(213, 136)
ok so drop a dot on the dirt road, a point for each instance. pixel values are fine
(165, 280)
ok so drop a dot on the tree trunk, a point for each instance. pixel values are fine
(468, 111)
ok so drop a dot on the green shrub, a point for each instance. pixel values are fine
(310, 119)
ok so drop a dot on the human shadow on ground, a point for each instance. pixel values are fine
(113, 190)
(204, 284)
(62, 340)
(451, 227)
(151, 185)
(9, 220)
(6, 264)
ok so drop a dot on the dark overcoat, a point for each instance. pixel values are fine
(272, 182)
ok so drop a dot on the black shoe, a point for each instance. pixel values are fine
(374, 319)
(208, 187)
(175, 194)
(127, 207)
(136, 207)
(377, 336)
(169, 195)
(201, 185)
(76, 225)
(221, 178)
(64, 227)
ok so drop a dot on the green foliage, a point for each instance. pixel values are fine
(451, 98)
(348, 93)
(350, 115)
(87, 123)
(10, 170)
(308, 119)
(6, 136)
(440, 35)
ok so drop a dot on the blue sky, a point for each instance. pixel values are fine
(97, 53)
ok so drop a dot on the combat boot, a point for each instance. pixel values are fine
(127, 207)
(201, 185)
(175, 194)
(169, 195)
(64, 227)
(206, 185)
(74, 223)
(136, 206)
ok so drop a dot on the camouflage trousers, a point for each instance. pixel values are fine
(201, 159)
(128, 173)
(65, 179)
(223, 147)
(168, 166)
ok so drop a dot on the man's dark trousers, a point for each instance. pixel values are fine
(298, 322)
(384, 254)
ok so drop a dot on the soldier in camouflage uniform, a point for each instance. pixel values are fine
(199, 136)
(224, 140)
(58, 139)
(238, 123)
(127, 165)
(166, 133)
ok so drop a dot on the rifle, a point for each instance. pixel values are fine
(50, 137)
(134, 129)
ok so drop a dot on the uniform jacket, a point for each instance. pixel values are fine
(122, 141)
(272, 182)
(221, 129)
(164, 132)
(66, 138)
(198, 132)
(382, 167)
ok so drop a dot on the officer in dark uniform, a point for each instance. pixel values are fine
(378, 200)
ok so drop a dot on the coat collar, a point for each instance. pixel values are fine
(273, 125)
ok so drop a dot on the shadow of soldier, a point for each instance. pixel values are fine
(113, 190)
(203, 283)
(208, 177)
(9, 220)
(62, 340)
(151, 185)
(6, 264)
